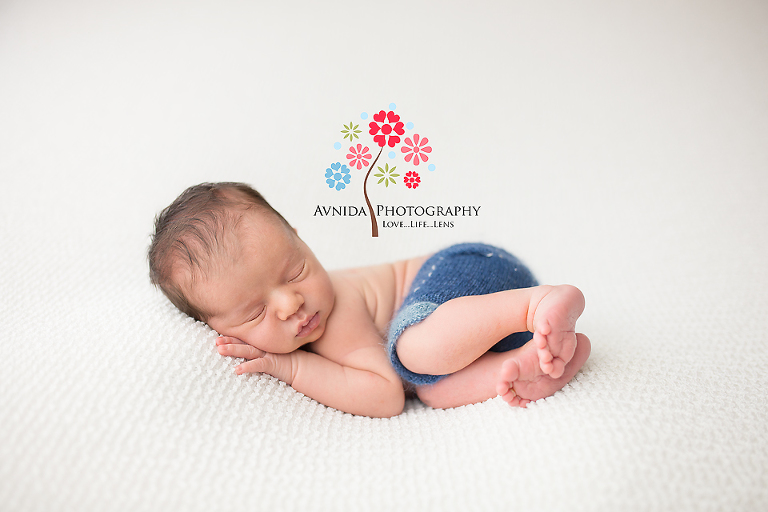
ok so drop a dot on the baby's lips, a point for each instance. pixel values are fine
(310, 324)
(303, 324)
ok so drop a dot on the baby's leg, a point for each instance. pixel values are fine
(515, 375)
(461, 330)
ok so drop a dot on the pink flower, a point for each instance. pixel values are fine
(416, 149)
(385, 123)
(412, 179)
(358, 157)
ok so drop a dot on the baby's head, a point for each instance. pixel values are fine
(222, 255)
(197, 236)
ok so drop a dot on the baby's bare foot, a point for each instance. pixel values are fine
(521, 379)
(554, 328)
(521, 366)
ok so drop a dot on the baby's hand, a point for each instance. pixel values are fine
(233, 347)
(257, 361)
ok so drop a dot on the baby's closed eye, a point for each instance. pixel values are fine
(300, 272)
(257, 314)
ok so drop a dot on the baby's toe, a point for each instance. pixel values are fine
(543, 327)
(558, 368)
(546, 361)
(508, 396)
(516, 401)
(510, 371)
(569, 348)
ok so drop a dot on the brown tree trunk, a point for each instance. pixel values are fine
(374, 225)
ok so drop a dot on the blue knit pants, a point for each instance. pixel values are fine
(458, 271)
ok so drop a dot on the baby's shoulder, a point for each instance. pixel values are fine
(372, 286)
(380, 287)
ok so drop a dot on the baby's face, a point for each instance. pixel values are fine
(275, 296)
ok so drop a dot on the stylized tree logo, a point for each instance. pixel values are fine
(387, 130)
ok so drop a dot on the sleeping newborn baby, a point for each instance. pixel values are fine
(459, 326)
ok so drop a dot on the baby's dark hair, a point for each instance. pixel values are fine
(191, 230)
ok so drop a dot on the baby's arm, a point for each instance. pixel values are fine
(362, 382)
(353, 386)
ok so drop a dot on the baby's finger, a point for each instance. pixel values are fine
(223, 340)
(237, 350)
(259, 365)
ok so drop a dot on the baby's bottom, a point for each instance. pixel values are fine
(458, 271)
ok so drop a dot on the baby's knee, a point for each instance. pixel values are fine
(410, 356)
(412, 351)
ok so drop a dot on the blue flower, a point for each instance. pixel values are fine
(337, 176)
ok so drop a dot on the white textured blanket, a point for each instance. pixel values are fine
(620, 147)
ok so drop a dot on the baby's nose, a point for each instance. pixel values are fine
(289, 304)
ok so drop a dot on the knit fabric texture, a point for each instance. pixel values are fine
(457, 271)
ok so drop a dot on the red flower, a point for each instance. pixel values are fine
(412, 179)
(357, 156)
(416, 149)
(390, 122)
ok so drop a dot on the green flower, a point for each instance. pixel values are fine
(351, 131)
(387, 175)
